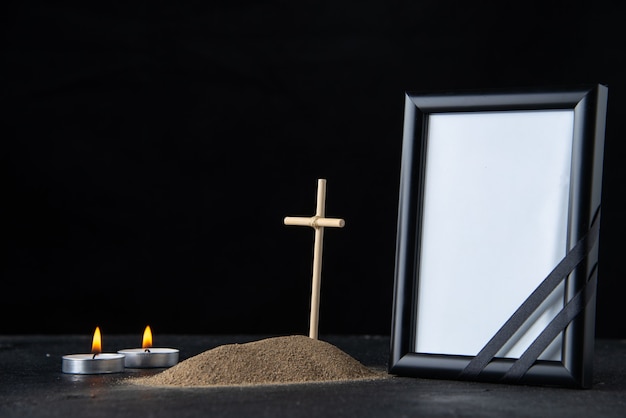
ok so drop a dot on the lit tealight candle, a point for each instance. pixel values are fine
(148, 356)
(95, 363)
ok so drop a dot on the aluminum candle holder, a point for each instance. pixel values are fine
(153, 357)
(93, 363)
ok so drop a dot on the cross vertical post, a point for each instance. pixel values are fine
(317, 222)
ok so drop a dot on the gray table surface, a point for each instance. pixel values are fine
(32, 385)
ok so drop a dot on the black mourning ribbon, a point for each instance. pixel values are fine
(558, 323)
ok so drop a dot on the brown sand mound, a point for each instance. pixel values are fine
(277, 360)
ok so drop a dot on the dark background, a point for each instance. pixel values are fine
(151, 150)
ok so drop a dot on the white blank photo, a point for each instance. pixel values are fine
(494, 224)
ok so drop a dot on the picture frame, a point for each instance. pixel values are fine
(497, 235)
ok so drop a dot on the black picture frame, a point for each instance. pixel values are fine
(573, 278)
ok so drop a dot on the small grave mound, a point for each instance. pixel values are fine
(277, 360)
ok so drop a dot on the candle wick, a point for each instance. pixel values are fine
(147, 350)
(94, 356)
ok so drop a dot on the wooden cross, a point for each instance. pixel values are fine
(317, 222)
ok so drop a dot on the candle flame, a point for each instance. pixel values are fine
(96, 345)
(147, 338)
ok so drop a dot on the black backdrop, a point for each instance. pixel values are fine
(150, 152)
